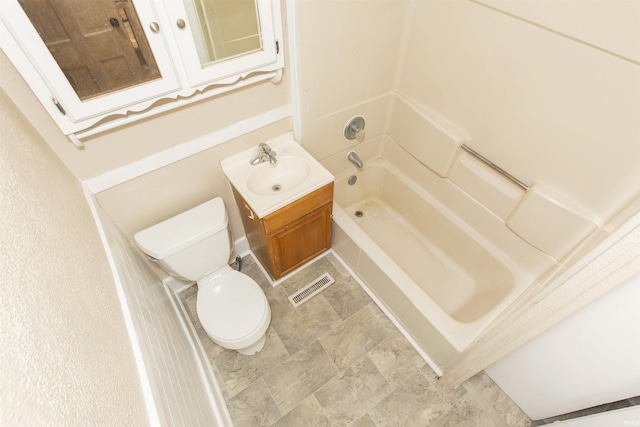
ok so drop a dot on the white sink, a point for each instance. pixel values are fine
(268, 187)
(286, 175)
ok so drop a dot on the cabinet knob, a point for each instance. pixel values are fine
(181, 24)
(154, 27)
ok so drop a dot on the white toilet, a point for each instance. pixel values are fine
(196, 245)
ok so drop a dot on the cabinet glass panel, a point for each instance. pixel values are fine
(223, 29)
(99, 44)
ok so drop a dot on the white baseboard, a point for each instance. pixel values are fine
(216, 398)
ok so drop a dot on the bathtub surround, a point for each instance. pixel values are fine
(508, 81)
(481, 70)
(440, 279)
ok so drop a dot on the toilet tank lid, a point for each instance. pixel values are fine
(182, 230)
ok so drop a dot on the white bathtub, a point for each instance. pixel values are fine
(441, 263)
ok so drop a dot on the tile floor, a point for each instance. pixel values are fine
(337, 360)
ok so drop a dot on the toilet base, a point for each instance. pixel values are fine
(253, 349)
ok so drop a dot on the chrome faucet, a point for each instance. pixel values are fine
(353, 158)
(264, 153)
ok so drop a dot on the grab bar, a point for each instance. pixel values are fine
(495, 167)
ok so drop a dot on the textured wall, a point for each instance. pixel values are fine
(65, 356)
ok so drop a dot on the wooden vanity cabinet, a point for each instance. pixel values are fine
(292, 235)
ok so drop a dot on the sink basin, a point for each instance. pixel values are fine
(284, 176)
(268, 187)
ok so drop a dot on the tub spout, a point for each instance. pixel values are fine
(353, 158)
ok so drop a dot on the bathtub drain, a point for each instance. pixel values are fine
(359, 214)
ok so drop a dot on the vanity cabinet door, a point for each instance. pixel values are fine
(292, 235)
(300, 241)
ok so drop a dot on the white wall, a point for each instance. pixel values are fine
(590, 358)
(65, 357)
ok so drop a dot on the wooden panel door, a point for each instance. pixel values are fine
(300, 241)
(98, 44)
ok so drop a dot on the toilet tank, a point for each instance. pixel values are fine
(192, 244)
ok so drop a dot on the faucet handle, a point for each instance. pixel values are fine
(354, 128)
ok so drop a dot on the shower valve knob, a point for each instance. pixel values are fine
(354, 128)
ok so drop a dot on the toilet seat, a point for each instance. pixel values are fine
(232, 309)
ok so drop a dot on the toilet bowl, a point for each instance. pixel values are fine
(233, 311)
(196, 246)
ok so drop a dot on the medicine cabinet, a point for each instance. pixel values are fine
(101, 64)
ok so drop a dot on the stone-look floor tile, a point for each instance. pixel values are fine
(297, 377)
(220, 381)
(298, 327)
(251, 269)
(364, 421)
(414, 403)
(309, 274)
(253, 406)
(525, 421)
(346, 297)
(475, 381)
(492, 398)
(633, 401)
(396, 359)
(190, 304)
(350, 394)
(238, 371)
(356, 336)
(188, 292)
(465, 413)
(338, 329)
(449, 394)
(338, 266)
(308, 413)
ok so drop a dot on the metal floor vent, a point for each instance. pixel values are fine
(311, 290)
